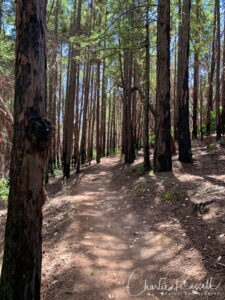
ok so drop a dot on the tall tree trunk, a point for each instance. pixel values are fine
(98, 150)
(114, 124)
(201, 109)
(218, 125)
(70, 99)
(59, 111)
(53, 90)
(134, 104)
(93, 123)
(21, 271)
(196, 76)
(1, 10)
(177, 100)
(223, 84)
(147, 165)
(76, 125)
(162, 153)
(195, 95)
(185, 154)
(127, 121)
(84, 127)
(108, 133)
(90, 117)
(211, 77)
(103, 111)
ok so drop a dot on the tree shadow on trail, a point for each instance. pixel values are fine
(110, 199)
(204, 233)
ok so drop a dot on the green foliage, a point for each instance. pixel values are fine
(58, 172)
(152, 140)
(4, 189)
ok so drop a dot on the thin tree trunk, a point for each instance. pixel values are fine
(177, 100)
(147, 165)
(103, 108)
(84, 127)
(90, 117)
(196, 77)
(76, 125)
(93, 124)
(223, 84)
(211, 77)
(201, 109)
(114, 124)
(59, 111)
(1, 10)
(218, 125)
(108, 133)
(98, 150)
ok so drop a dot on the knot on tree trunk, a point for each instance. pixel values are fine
(39, 132)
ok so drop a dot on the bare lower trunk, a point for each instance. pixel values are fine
(21, 271)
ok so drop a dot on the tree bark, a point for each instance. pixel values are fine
(147, 165)
(84, 127)
(201, 109)
(70, 98)
(59, 111)
(162, 153)
(223, 84)
(176, 105)
(185, 154)
(218, 123)
(98, 150)
(21, 270)
(211, 77)
(196, 77)
(1, 10)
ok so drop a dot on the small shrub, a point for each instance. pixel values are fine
(58, 172)
(4, 189)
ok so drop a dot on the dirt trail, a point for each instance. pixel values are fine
(107, 228)
(114, 233)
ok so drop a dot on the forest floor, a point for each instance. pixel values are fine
(112, 232)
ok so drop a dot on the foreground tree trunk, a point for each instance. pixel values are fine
(21, 271)
(185, 154)
(162, 153)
